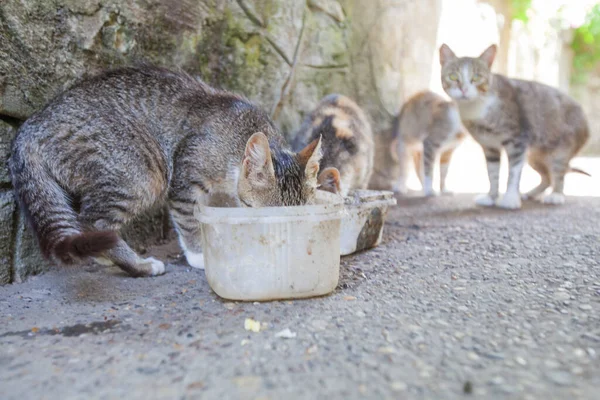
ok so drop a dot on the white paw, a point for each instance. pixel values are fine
(103, 261)
(430, 193)
(401, 189)
(196, 260)
(554, 199)
(485, 200)
(447, 192)
(158, 267)
(510, 201)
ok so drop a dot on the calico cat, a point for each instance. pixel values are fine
(347, 143)
(118, 143)
(426, 128)
(520, 117)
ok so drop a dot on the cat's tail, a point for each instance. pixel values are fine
(48, 209)
(578, 171)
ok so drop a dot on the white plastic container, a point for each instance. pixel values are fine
(364, 217)
(257, 254)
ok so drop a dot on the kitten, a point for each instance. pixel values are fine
(426, 128)
(347, 143)
(118, 143)
(520, 117)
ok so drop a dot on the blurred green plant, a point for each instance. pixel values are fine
(586, 45)
(519, 9)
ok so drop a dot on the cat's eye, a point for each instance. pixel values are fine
(476, 78)
(453, 77)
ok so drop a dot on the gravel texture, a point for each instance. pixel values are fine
(458, 301)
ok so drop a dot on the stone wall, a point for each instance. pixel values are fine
(283, 54)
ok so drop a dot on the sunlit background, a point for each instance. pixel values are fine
(538, 44)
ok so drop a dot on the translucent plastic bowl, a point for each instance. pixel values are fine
(364, 217)
(257, 254)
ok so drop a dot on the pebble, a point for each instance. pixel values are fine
(577, 370)
(561, 378)
(560, 296)
(285, 334)
(472, 356)
(552, 364)
(398, 386)
(591, 352)
(521, 361)
(585, 307)
(579, 353)
(386, 350)
(495, 356)
(497, 381)
(459, 335)
(591, 336)
(319, 324)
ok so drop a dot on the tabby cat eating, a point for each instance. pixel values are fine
(114, 145)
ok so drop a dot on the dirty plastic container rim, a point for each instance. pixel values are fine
(373, 204)
(264, 215)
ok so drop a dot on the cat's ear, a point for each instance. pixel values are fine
(446, 54)
(257, 164)
(329, 180)
(309, 158)
(488, 55)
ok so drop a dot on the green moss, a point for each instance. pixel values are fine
(519, 9)
(586, 46)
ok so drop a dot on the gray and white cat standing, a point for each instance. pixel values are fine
(526, 119)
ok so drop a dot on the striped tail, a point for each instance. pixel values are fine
(48, 209)
(578, 171)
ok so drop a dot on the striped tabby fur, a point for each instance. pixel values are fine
(114, 145)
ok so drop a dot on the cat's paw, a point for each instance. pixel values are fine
(400, 189)
(155, 267)
(447, 192)
(430, 193)
(554, 199)
(485, 200)
(104, 261)
(510, 201)
(196, 260)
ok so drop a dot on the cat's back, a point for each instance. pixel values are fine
(548, 115)
(340, 122)
(130, 95)
(337, 116)
(426, 113)
(347, 139)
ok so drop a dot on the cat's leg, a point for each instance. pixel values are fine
(430, 150)
(125, 258)
(517, 152)
(111, 213)
(538, 163)
(404, 157)
(558, 169)
(417, 156)
(492, 158)
(181, 207)
(445, 158)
